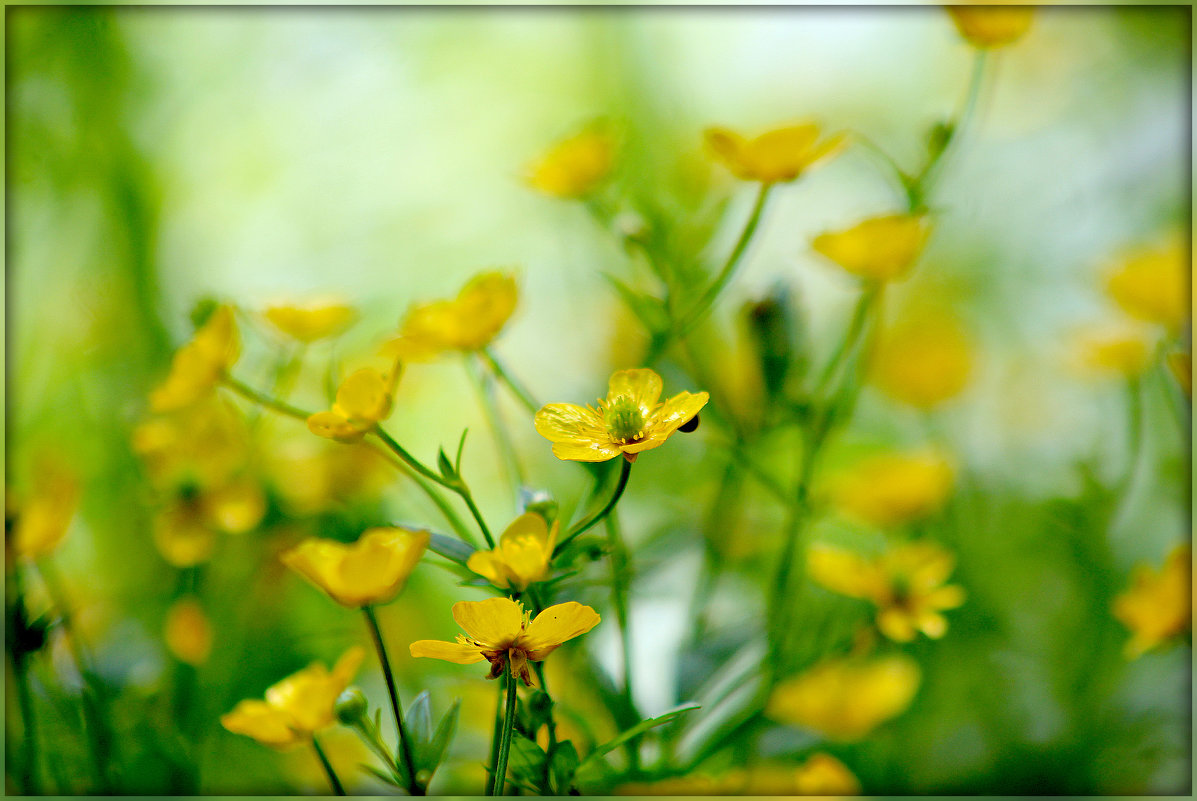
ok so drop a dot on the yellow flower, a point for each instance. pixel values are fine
(206, 443)
(991, 26)
(923, 361)
(522, 557)
(820, 775)
(1152, 285)
(184, 531)
(310, 321)
(372, 570)
(906, 584)
(880, 248)
(844, 699)
(1115, 348)
(823, 774)
(298, 706)
(1158, 605)
(44, 517)
(628, 421)
(575, 166)
(782, 154)
(363, 401)
(199, 365)
(499, 631)
(466, 323)
(1181, 365)
(891, 489)
(187, 632)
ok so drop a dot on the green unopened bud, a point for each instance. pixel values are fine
(352, 706)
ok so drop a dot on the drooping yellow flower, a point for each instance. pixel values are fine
(782, 154)
(991, 26)
(844, 699)
(628, 421)
(522, 557)
(364, 400)
(298, 706)
(1153, 285)
(199, 365)
(879, 248)
(1158, 605)
(499, 632)
(575, 166)
(1181, 365)
(923, 361)
(467, 323)
(893, 488)
(1123, 349)
(373, 570)
(311, 320)
(42, 519)
(187, 632)
(821, 774)
(906, 584)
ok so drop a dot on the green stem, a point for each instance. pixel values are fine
(262, 399)
(404, 745)
(851, 337)
(597, 517)
(517, 389)
(620, 566)
(919, 187)
(29, 781)
(328, 768)
(722, 511)
(486, 395)
(500, 771)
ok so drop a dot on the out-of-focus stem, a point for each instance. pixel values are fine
(404, 745)
(486, 394)
(328, 768)
(262, 399)
(597, 517)
(517, 389)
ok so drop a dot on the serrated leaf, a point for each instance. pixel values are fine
(451, 548)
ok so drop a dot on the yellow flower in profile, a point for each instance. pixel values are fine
(893, 488)
(1153, 285)
(879, 248)
(845, 699)
(906, 584)
(1181, 365)
(782, 154)
(575, 166)
(312, 320)
(187, 632)
(43, 518)
(372, 570)
(467, 323)
(1116, 348)
(628, 421)
(923, 361)
(522, 557)
(1158, 605)
(499, 632)
(298, 706)
(364, 400)
(199, 365)
(991, 26)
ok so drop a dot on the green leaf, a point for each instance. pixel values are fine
(562, 768)
(441, 739)
(527, 761)
(450, 548)
(460, 448)
(638, 729)
(382, 775)
(445, 466)
(648, 309)
(419, 722)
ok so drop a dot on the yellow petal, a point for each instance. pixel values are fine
(880, 248)
(893, 488)
(823, 774)
(557, 624)
(376, 568)
(263, 722)
(182, 536)
(578, 431)
(585, 451)
(642, 385)
(455, 652)
(575, 166)
(187, 632)
(364, 397)
(491, 566)
(331, 425)
(495, 622)
(44, 519)
(237, 507)
(312, 321)
(482, 308)
(923, 361)
(897, 624)
(676, 411)
(844, 572)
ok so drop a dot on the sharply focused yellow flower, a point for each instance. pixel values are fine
(1153, 285)
(893, 488)
(298, 706)
(1158, 605)
(42, 518)
(991, 26)
(575, 166)
(879, 248)
(782, 154)
(373, 570)
(363, 401)
(844, 699)
(906, 584)
(199, 365)
(311, 320)
(467, 323)
(628, 421)
(1123, 349)
(187, 632)
(1181, 365)
(923, 361)
(522, 557)
(499, 632)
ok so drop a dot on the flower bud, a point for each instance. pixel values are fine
(352, 706)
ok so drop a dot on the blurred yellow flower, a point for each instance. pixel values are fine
(821, 774)
(522, 557)
(363, 401)
(906, 584)
(844, 699)
(184, 531)
(923, 361)
(1115, 348)
(199, 365)
(1181, 365)
(311, 475)
(782, 154)
(628, 421)
(207, 443)
(298, 706)
(372, 570)
(879, 248)
(991, 26)
(466, 323)
(187, 632)
(1158, 605)
(499, 631)
(575, 166)
(1153, 285)
(44, 516)
(893, 488)
(311, 320)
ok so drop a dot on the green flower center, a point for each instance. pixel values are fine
(625, 420)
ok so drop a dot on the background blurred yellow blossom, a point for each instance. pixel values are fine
(188, 632)
(468, 322)
(364, 399)
(1153, 284)
(312, 319)
(781, 154)
(992, 25)
(890, 489)
(879, 248)
(1158, 605)
(199, 365)
(575, 166)
(42, 516)
(923, 360)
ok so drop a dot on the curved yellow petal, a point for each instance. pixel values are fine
(896, 624)
(844, 572)
(557, 624)
(586, 451)
(456, 652)
(263, 722)
(642, 385)
(881, 248)
(494, 622)
(364, 396)
(491, 566)
(991, 26)
(311, 322)
(576, 165)
(676, 412)
(331, 425)
(377, 566)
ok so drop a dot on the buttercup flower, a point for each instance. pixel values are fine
(311, 321)
(44, 516)
(991, 26)
(880, 248)
(891, 489)
(1152, 285)
(372, 570)
(298, 706)
(628, 421)
(499, 632)
(906, 584)
(844, 699)
(923, 361)
(575, 166)
(199, 365)
(1158, 605)
(363, 401)
(467, 323)
(522, 557)
(187, 632)
(782, 154)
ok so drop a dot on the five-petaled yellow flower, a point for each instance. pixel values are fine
(782, 154)
(498, 631)
(199, 365)
(905, 583)
(879, 248)
(991, 26)
(370, 571)
(893, 488)
(467, 323)
(311, 320)
(923, 361)
(42, 519)
(298, 706)
(628, 421)
(523, 555)
(1158, 605)
(575, 166)
(363, 401)
(1153, 285)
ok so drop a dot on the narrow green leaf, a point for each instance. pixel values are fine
(441, 739)
(638, 729)
(419, 721)
(451, 548)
